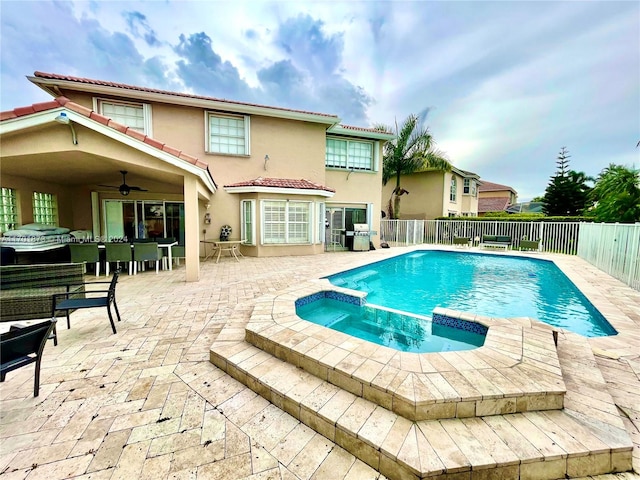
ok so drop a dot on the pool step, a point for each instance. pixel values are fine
(517, 370)
(542, 445)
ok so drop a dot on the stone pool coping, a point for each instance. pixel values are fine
(517, 370)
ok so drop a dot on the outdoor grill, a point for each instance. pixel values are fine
(361, 237)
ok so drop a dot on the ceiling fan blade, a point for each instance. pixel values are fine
(108, 186)
(138, 189)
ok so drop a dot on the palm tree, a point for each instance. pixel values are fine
(617, 195)
(412, 150)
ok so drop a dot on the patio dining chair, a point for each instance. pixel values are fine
(92, 299)
(146, 252)
(22, 346)
(177, 252)
(118, 252)
(85, 253)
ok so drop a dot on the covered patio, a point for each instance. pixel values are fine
(78, 156)
(147, 403)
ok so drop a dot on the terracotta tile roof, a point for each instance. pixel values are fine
(492, 204)
(68, 104)
(282, 183)
(361, 129)
(90, 81)
(492, 187)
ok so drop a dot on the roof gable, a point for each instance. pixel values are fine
(63, 102)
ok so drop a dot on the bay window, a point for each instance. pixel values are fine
(286, 222)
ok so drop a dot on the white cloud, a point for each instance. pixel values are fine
(508, 83)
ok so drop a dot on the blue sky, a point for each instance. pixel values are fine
(504, 85)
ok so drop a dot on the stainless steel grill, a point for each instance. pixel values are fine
(361, 237)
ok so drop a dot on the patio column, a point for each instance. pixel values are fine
(191, 229)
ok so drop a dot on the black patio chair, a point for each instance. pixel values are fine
(21, 346)
(70, 301)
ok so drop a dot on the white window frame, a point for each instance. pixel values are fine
(247, 133)
(8, 209)
(348, 164)
(453, 190)
(469, 187)
(287, 222)
(146, 112)
(320, 222)
(248, 221)
(45, 208)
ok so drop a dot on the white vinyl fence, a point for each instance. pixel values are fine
(613, 248)
(558, 237)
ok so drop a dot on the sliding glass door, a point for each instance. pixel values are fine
(132, 219)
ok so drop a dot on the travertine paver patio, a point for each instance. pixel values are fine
(146, 403)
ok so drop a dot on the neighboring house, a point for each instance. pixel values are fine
(493, 197)
(281, 175)
(434, 193)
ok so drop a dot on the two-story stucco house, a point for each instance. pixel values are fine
(435, 193)
(285, 181)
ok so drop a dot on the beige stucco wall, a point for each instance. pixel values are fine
(426, 195)
(501, 194)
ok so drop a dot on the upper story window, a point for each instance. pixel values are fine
(469, 187)
(8, 209)
(228, 134)
(453, 192)
(45, 208)
(134, 115)
(350, 154)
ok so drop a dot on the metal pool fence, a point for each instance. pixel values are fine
(613, 248)
(559, 237)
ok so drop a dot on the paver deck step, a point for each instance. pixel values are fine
(494, 382)
(544, 444)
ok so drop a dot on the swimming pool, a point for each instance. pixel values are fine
(490, 285)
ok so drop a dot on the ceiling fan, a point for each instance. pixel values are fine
(125, 189)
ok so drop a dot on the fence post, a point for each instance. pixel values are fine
(635, 250)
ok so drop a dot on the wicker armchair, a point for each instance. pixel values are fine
(26, 290)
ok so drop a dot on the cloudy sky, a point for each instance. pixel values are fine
(503, 85)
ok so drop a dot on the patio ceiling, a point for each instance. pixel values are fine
(75, 169)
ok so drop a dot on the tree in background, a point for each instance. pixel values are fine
(617, 195)
(412, 150)
(567, 193)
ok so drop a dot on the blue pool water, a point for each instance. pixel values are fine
(392, 329)
(489, 285)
